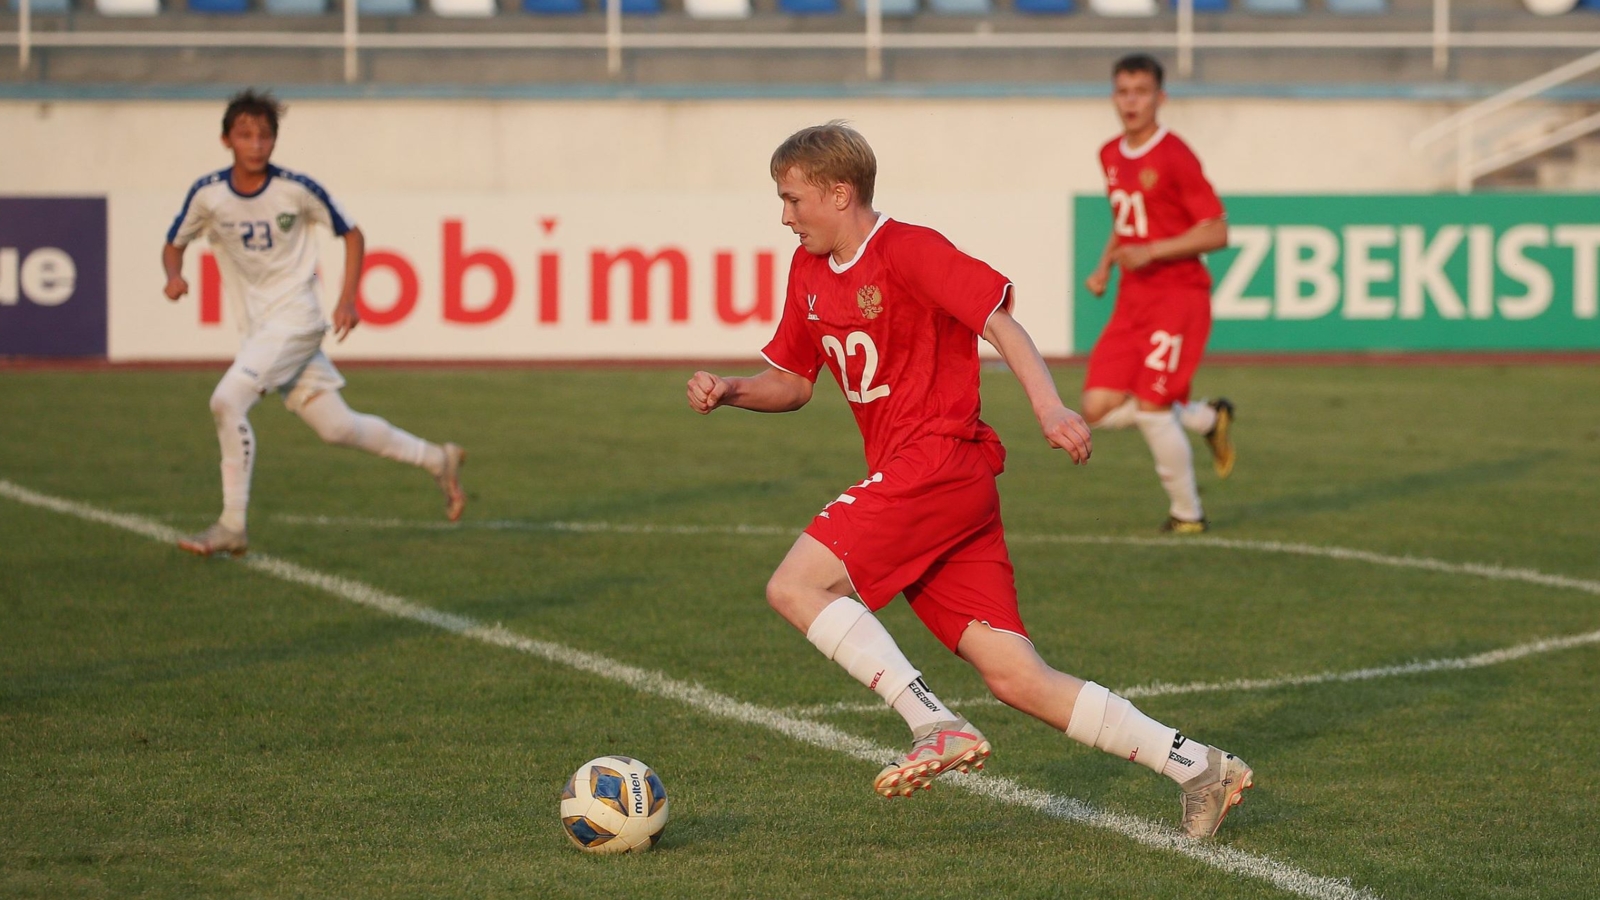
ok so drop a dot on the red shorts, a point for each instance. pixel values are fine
(929, 525)
(1153, 344)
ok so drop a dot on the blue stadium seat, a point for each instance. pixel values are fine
(553, 7)
(1358, 7)
(1206, 6)
(1589, 4)
(809, 7)
(386, 7)
(961, 7)
(1275, 7)
(224, 7)
(127, 7)
(1044, 7)
(639, 7)
(891, 7)
(44, 6)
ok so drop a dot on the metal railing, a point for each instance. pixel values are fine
(1183, 39)
(1463, 125)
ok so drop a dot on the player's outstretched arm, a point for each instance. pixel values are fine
(1203, 237)
(172, 263)
(1096, 282)
(771, 391)
(1062, 427)
(345, 316)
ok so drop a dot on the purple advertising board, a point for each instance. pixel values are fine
(52, 276)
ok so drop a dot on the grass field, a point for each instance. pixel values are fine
(175, 727)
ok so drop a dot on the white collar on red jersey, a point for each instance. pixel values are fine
(840, 270)
(1146, 147)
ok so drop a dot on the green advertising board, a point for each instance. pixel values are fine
(1385, 273)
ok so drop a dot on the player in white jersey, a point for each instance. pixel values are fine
(258, 219)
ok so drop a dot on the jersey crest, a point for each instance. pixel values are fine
(1148, 178)
(286, 221)
(870, 299)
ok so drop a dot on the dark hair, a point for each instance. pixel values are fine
(1140, 62)
(250, 102)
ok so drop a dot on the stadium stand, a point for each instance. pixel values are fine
(891, 7)
(219, 7)
(386, 7)
(1123, 8)
(45, 6)
(960, 7)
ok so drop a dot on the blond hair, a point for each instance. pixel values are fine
(827, 155)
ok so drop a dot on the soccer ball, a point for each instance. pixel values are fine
(613, 805)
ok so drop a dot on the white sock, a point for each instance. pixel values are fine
(1186, 759)
(1122, 416)
(336, 423)
(1174, 462)
(1108, 722)
(1198, 416)
(920, 708)
(230, 409)
(851, 636)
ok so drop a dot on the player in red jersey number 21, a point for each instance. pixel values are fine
(894, 311)
(1164, 215)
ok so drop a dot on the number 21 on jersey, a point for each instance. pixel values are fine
(841, 351)
(1128, 216)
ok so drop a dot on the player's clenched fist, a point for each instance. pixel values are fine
(1067, 430)
(706, 392)
(176, 287)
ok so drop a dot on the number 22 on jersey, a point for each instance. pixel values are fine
(841, 351)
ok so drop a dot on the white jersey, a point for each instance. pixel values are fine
(264, 246)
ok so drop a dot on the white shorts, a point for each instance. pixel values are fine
(289, 362)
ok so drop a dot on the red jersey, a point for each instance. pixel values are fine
(899, 327)
(1158, 191)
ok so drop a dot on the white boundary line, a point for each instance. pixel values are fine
(1228, 859)
(1154, 689)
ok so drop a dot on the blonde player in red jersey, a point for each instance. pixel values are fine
(1164, 216)
(894, 311)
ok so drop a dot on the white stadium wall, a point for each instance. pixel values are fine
(642, 229)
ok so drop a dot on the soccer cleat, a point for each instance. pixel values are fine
(449, 479)
(216, 539)
(1175, 525)
(1219, 438)
(947, 745)
(1207, 797)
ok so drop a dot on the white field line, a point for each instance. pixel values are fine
(1234, 861)
(1476, 570)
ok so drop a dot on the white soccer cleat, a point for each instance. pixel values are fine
(216, 539)
(1207, 797)
(947, 745)
(449, 479)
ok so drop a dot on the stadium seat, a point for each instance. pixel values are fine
(1551, 7)
(462, 9)
(1123, 8)
(1275, 7)
(44, 6)
(891, 7)
(1044, 7)
(224, 7)
(809, 7)
(1358, 7)
(386, 7)
(961, 7)
(1206, 6)
(127, 7)
(717, 9)
(553, 7)
(295, 7)
(638, 7)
